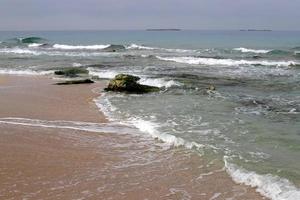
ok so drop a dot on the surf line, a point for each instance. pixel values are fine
(73, 125)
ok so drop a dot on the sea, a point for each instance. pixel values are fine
(250, 122)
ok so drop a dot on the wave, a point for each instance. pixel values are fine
(279, 52)
(24, 72)
(19, 51)
(150, 128)
(268, 185)
(140, 47)
(29, 40)
(33, 45)
(36, 52)
(159, 82)
(105, 74)
(225, 62)
(245, 50)
(79, 47)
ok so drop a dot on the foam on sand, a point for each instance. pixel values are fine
(24, 72)
(73, 125)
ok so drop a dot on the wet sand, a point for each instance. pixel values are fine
(58, 163)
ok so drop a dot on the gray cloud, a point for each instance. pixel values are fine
(140, 14)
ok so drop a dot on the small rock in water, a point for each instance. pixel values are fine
(128, 83)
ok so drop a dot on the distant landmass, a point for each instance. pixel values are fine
(255, 30)
(163, 29)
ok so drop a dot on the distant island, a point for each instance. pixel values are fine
(255, 30)
(162, 29)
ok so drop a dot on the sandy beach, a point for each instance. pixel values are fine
(59, 163)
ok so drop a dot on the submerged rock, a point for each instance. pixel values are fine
(71, 72)
(128, 83)
(71, 82)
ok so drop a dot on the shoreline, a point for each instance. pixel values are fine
(56, 163)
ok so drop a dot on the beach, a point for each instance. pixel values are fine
(45, 153)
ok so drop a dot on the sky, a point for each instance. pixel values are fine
(142, 14)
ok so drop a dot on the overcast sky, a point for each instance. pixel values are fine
(141, 14)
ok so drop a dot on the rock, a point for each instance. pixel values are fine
(256, 57)
(83, 81)
(211, 88)
(71, 72)
(114, 48)
(128, 83)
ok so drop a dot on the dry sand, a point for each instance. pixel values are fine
(53, 163)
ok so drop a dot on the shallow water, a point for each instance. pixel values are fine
(250, 123)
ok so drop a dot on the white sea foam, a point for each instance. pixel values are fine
(150, 129)
(24, 72)
(225, 62)
(79, 47)
(147, 127)
(140, 47)
(159, 82)
(245, 50)
(268, 185)
(33, 45)
(36, 52)
(106, 74)
(73, 125)
(76, 64)
(19, 51)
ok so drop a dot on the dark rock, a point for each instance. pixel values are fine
(114, 48)
(84, 81)
(256, 57)
(71, 72)
(128, 83)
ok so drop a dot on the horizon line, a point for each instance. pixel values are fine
(145, 29)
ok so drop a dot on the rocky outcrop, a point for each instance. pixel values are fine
(128, 83)
(71, 72)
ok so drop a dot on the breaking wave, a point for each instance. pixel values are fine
(268, 185)
(225, 62)
(79, 47)
(29, 40)
(140, 47)
(245, 50)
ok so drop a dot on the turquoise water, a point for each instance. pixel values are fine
(251, 122)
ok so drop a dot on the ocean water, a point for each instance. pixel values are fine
(251, 122)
